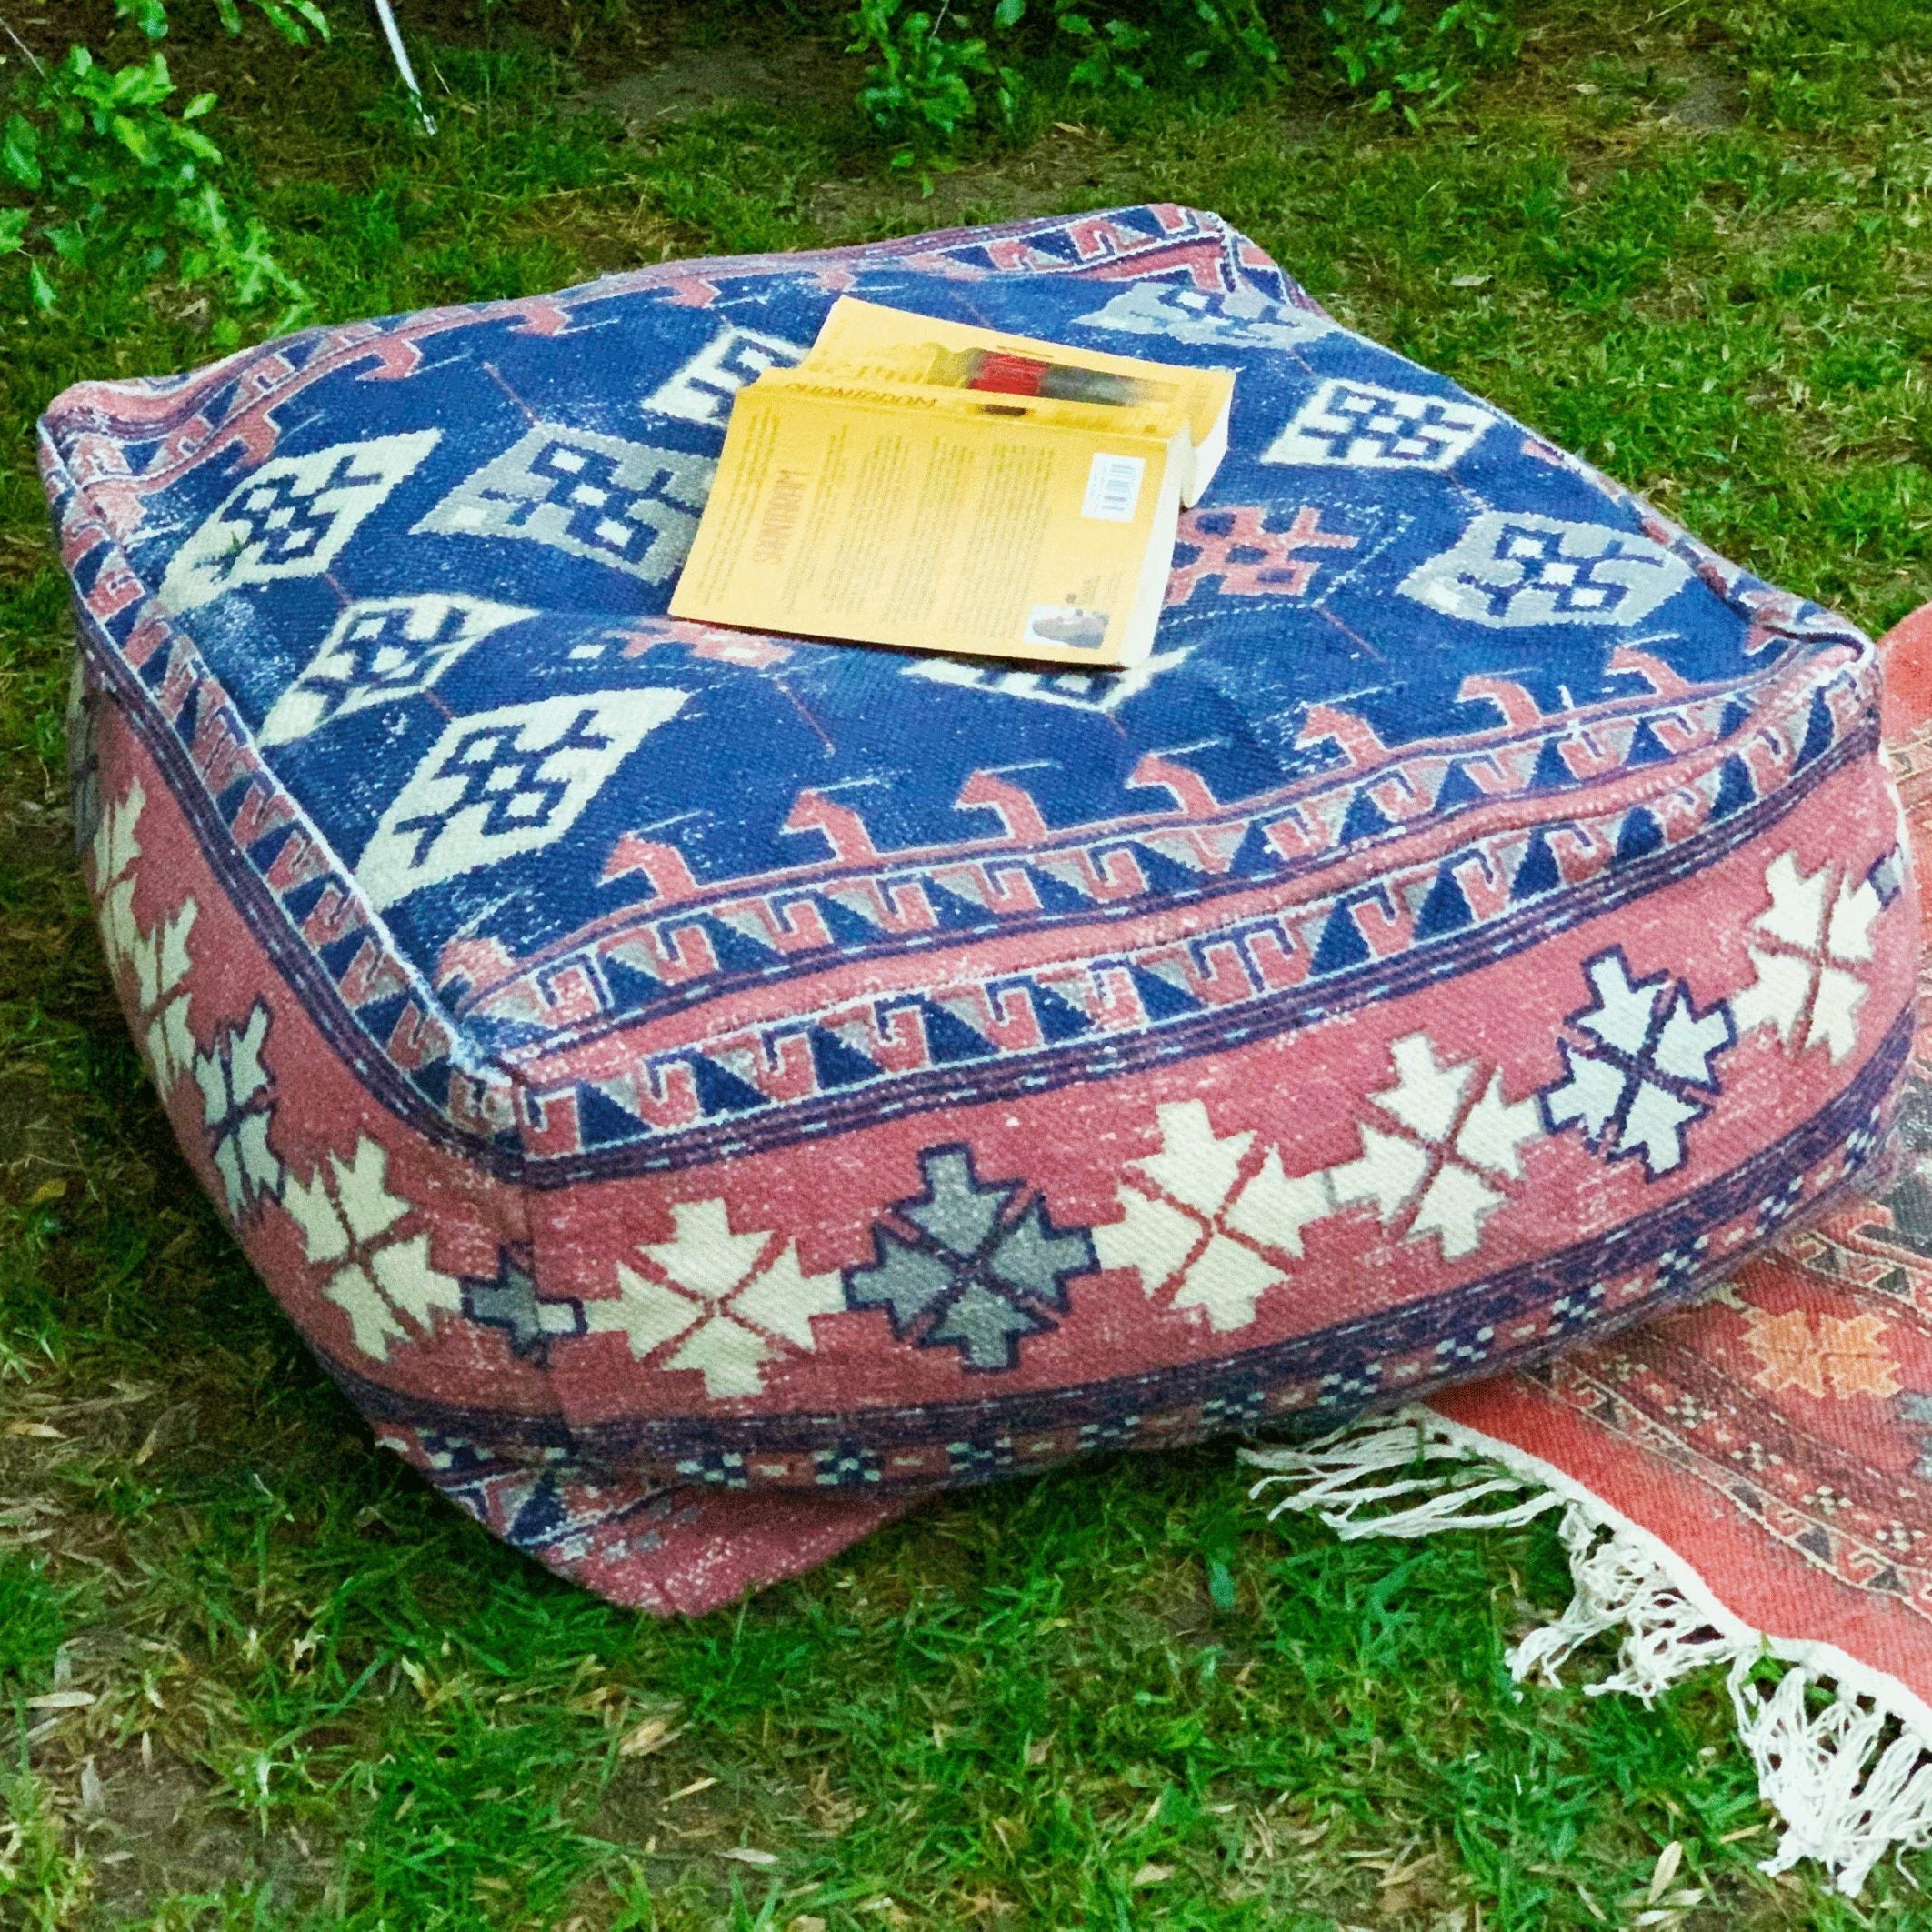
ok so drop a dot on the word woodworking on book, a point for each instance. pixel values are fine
(943, 487)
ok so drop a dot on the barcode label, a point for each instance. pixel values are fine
(1113, 488)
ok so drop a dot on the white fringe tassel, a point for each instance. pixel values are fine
(1842, 1752)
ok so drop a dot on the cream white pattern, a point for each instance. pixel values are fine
(1361, 426)
(731, 1302)
(1512, 568)
(348, 1216)
(291, 517)
(1808, 947)
(1456, 1137)
(1200, 1219)
(1234, 319)
(1206, 1220)
(238, 1104)
(628, 505)
(380, 649)
(1102, 691)
(702, 390)
(157, 957)
(505, 782)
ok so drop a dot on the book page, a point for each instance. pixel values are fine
(865, 338)
(921, 518)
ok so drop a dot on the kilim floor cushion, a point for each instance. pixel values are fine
(698, 1091)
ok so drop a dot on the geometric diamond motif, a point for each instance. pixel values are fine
(627, 505)
(505, 782)
(1361, 426)
(291, 517)
(378, 649)
(702, 390)
(1234, 318)
(962, 1270)
(1512, 568)
(1641, 1081)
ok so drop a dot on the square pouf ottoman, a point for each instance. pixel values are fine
(699, 1091)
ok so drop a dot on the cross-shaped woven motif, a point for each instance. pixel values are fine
(1365, 425)
(508, 1300)
(1571, 582)
(1813, 951)
(1237, 548)
(238, 1102)
(388, 649)
(600, 512)
(283, 522)
(381, 650)
(1647, 1072)
(1514, 569)
(970, 1273)
(498, 770)
(630, 505)
(292, 518)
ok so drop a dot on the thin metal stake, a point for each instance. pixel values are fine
(31, 60)
(394, 35)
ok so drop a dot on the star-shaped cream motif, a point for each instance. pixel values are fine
(1844, 1356)
(1202, 1219)
(157, 956)
(1458, 1137)
(238, 1101)
(730, 1302)
(1206, 1220)
(1810, 947)
(347, 1216)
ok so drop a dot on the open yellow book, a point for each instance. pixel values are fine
(928, 492)
(861, 338)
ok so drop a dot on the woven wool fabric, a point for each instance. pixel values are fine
(1745, 1482)
(1778, 1435)
(699, 1091)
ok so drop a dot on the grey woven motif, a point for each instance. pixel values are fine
(966, 1270)
(508, 1300)
(628, 505)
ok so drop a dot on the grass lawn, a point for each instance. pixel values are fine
(1691, 241)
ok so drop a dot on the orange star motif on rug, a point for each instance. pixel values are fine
(1846, 1352)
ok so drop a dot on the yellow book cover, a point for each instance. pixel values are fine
(865, 339)
(940, 519)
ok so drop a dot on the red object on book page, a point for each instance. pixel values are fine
(1009, 375)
